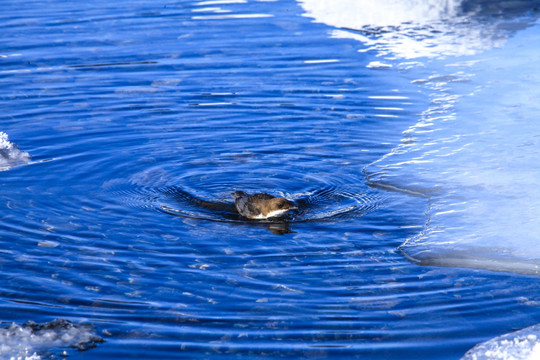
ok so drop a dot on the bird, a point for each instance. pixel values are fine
(261, 206)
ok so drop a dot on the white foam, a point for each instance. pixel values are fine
(520, 345)
(28, 341)
(10, 155)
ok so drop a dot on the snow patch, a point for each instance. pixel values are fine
(520, 345)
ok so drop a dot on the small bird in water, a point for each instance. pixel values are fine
(261, 205)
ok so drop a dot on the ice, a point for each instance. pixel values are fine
(30, 341)
(357, 14)
(520, 345)
(477, 161)
(10, 154)
(410, 29)
(474, 151)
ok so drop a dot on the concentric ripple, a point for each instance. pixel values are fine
(333, 202)
(324, 204)
(320, 200)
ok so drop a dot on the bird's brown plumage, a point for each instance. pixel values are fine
(260, 205)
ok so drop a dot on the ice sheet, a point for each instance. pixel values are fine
(474, 151)
(475, 154)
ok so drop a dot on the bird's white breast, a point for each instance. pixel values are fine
(275, 213)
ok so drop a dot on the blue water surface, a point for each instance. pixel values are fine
(136, 113)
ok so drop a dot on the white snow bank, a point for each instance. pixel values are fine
(474, 151)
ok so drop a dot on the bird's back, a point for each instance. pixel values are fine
(248, 205)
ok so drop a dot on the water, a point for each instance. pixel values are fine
(142, 118)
